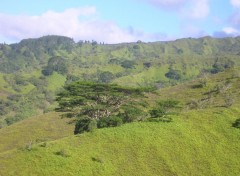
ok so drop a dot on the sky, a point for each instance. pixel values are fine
(117, 21)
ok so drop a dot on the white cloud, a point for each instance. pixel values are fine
(227, 32)
(78, 23)
(235, 3)
(197, 9)
(194, 9)
(235, 19)
(231, 31)
(169, 4)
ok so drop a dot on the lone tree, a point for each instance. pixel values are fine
(96, 102)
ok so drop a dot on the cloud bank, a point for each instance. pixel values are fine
(235, 3)
(78, 23)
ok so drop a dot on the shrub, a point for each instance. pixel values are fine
(157, 112)
(106, 77)
(128, 64)
(82, 125)
(173, 74)
(236, 124)
(92, 125)
(163, 109)
(62, 153)
(111, 121)
(132, 114)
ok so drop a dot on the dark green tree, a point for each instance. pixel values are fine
(98, 102)
(95, 100)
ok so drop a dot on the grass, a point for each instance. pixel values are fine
(55, 81)
(197, 142)
(45, 127)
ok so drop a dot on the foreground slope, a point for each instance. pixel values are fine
(199, 141)
(196, 143)
(46, 127)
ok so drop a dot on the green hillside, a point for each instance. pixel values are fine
(199, 141)
(34, 70)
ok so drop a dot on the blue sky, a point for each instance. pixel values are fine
(113, 21)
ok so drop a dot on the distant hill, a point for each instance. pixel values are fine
(33, 70)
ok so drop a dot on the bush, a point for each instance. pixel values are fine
(216, 68)
(128, 64)
(85, 124)
(92, 125)
(164, 108)
(132, 114)
(158, 112)
(106, 77)
(111, 121)
(82, 125)
(236, 124)
(173, 74)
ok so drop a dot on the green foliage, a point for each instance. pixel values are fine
(173, 74)
(111, 121)
(63, 61)
(96, 99)
(72, 78)
(217, 68)
(98, 102)
(82, 125)
(236, 124)
(132, 113)
(57, 64)
(173, 148)
(158, 112)
(106, 77)
(85, 124)
(163, 109)
(198, 142)
(128, 64)
(92, 125)
(136, 47)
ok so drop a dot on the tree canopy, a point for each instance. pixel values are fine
(104, 103)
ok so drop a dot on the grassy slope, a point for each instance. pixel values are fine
(41, 128)
(197, 142)
(202, 143)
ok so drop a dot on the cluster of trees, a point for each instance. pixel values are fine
(125, 63)
(57, 64)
